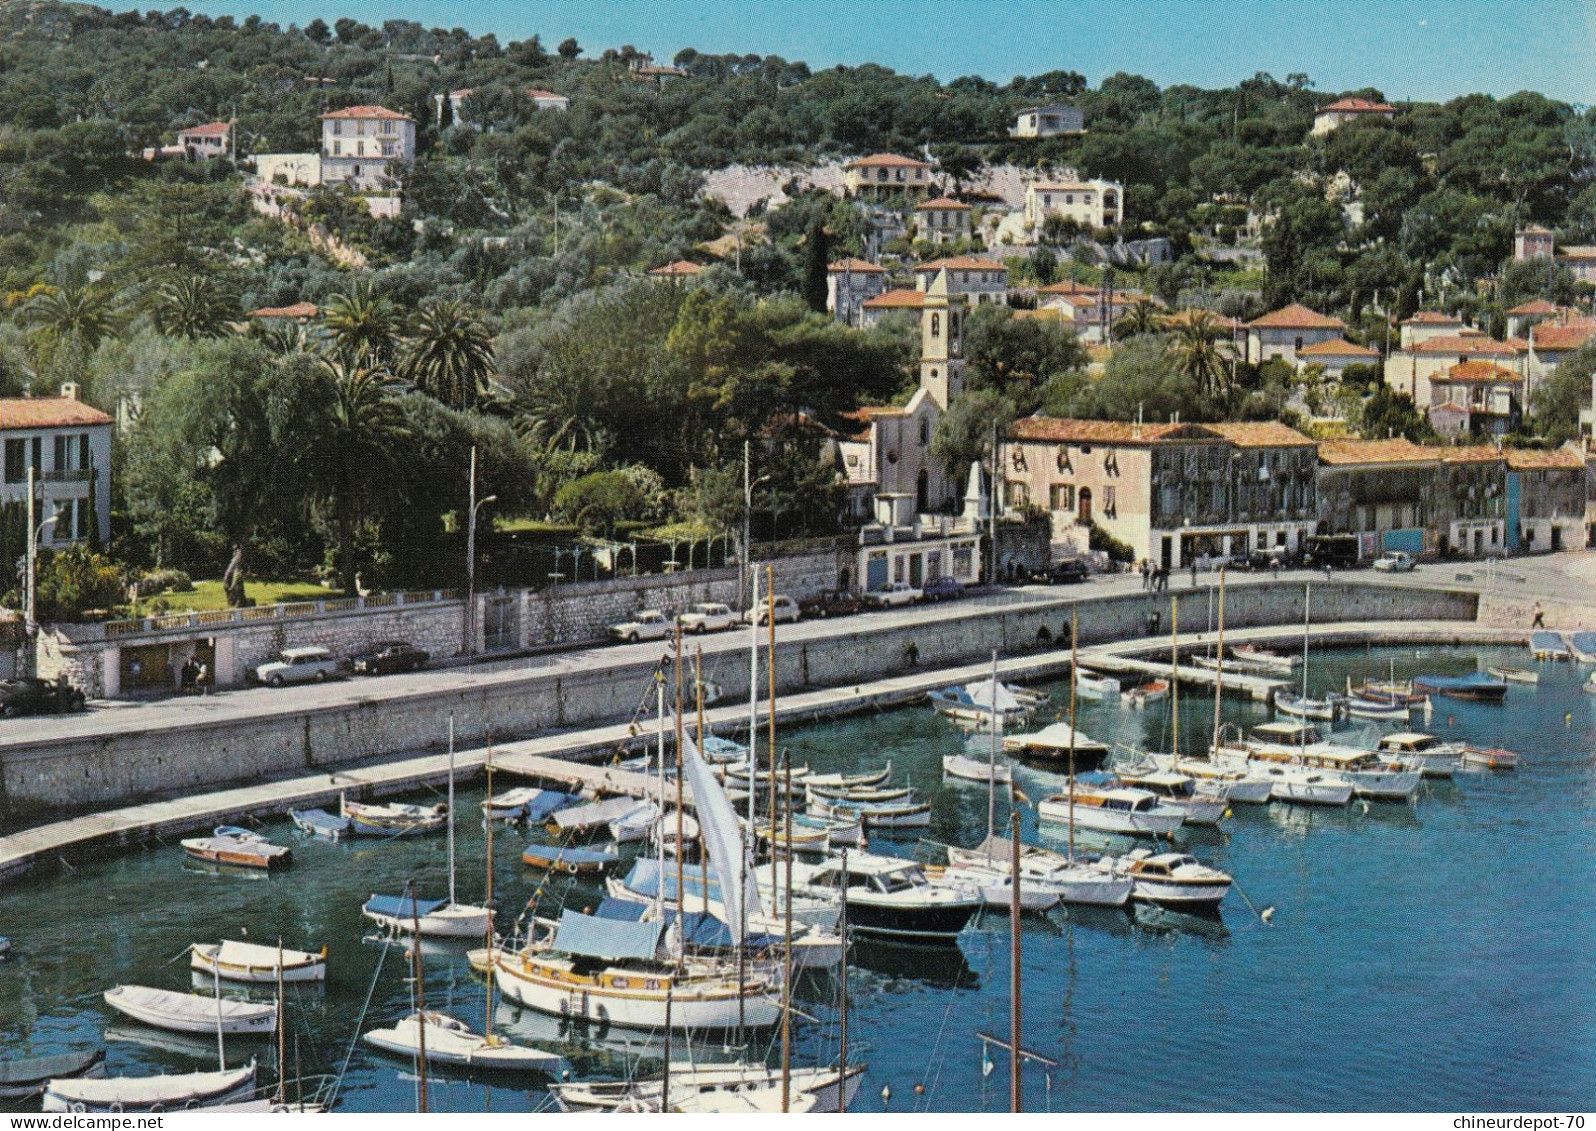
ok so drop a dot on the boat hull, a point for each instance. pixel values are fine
(1386, 785)
(23, 1079)
(458, 922)
(1296, 791)
(188, 1013)
(155, 1093)
(204, 959)
(1146, 823)
(716, 1006)
(939, 921)
(1181, 893)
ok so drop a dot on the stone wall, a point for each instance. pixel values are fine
(1517, 610)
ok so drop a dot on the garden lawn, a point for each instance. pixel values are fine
(209, 595)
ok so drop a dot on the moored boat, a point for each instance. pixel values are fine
(572, 859)
(1483, 759)
(636, 824)
(903, 814)
(964, 768)
(1097, 803)
(1175, 879)
(1238, 786)
(1547, 645)
(1080, 880)
(1476, 686)
(831, 1088)
(1327, 709)
(179, 1092)
(892, 897)
(253, 962)
(1376, 710)
(392, 820)
(192, 1013)
(1513, 675)
(1090, 685)
(527, 803)
(978, 702)
(319, 822)
(438, 918)
(1200, 806)
(582, 819)
(238, 848)
(453, 1043)
(1055, 743)
(1142, 694)
(30, 1076)
(1582, 646)
(1433, 757)
(1265, 658)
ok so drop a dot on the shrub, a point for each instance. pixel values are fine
(74, 581)
(1118, 551)
(164, 580)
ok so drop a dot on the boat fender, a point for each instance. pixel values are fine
(77, 1105)
(115, 1106)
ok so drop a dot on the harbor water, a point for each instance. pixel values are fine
(1435, 955)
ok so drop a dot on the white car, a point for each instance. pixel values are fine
(298, 665)
(707, 617)
(1394, 562)
(646, 624)
(896, 593)
(786, 610)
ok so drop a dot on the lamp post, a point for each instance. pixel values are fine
(467, 642)
(30, 622)
(748, 510)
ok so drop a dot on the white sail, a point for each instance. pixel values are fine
(723, 840)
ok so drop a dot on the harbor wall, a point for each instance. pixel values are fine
(282, 740)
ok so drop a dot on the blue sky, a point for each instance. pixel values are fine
(1422, 49)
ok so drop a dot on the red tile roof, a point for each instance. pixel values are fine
(1539, 306)
(1578, 252)
(857, 266)
(1338, 347)
(1569, 336)
(1477, 453)
(1432, 318)
(1470, 344)
(297, 310)
(1220, 321)
(1525, 459)
(1296, 317)
(369, 112)
(1066, 287)
(886, 160)
(960, 263)
(1050, 429)
(1260, 434)
(1476, 371)
(209, 129)
(943, 203)
(899, 299)
(680, 269)
(48, 412)
(534, 92)
(1352, 452)
(1357, 106)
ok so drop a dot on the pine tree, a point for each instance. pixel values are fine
(815, 267)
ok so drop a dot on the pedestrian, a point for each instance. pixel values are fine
(1147, 575)
(1540, 617)
(202, 678)
(1327, 571)
(1194, 573)
(1163, 579)
(1274, 568)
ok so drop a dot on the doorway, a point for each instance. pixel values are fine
(1083, 512)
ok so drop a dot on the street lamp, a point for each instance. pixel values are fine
(748, 510)
(30, 622)
(466, 634)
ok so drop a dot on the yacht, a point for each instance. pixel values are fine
(1201, 806)
(1238, 786)
(1098, 803)
(1174, 879)
(1433, 757)
(891, 897)
(1077, 880)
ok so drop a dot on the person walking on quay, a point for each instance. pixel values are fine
(1163, 579)
(1147, 575)
(1194, 573)
(1274, 568)
(1540, 617)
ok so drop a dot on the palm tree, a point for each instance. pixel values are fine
(85, 315)
(364, 327)
(450, 355)
(1195, 353)
(364, 427)
(191, 307)
(1142, 318)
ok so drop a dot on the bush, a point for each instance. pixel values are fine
(1118, 551)
(73, 581)
(163, 580)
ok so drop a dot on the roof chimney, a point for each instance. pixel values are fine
(69, 390)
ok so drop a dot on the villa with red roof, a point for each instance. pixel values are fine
(1091, 204)
(1411, 370)
(982, 280)
(67, 446)
(201, 143)
(1346, 110)
(1335, 354)
(943, 220)
(883, 175)
(360, 145)
(1283, 333)
(850, 283)
(1492, 396)
(1426, 324)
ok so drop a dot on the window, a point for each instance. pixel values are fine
(63, 453)
(80, 522)
(1061, 497)
(1299, 343)
(85, 460)
(1017, 494)
(936, 325)
(338, 148)
(337, 128)
(925, 431)
(1069, 198)
(1108, 500)
(16, 461)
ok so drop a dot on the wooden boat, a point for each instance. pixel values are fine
(1090, 685)
(1477, 687)
(180, 1092)
(392, 820)
(636, 824)
(869, 794)
(29, 1077)
(1582, 646)
(809, 833)
(238, 848)
(1266, 658)
(970, 769)
(1328, 709)
(1547, 645)
(1390, 690)
(900, 814)
(1378, 710)
(319, 822)
(1513, 675)
(252, 962)
(831, 1089)
(451, 1042)
(570, 859)
(526, 803)
(192, 1013)
(1150, 692)
(1054, 742)
(1175, 879)
(1480, 759)
(1100, 803)
(864, 779)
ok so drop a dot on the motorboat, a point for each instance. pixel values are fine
(1142, 694)
(1200, 806)
(1481, 759)
(1077, 880)
(996, 887)
(1174, 879)
(813, 947)
(319, 822)
(892, 897)
(575, 860)
(437, 918)
(1238, 786)
(1266, 658)
(1547, 645)
(453, 1043)
(1433, 757)
(905, 814)
(635, 824)
(978, 702)
(392, 820)
(258, 964)
(1476, 686)
(30, 1076)
(1513, 675)
(238, 848)
(1090, 685)
(1582, 646)
(179, 1092)
(1097, 802)
(830, 1088)
(192, 1013)
(964, 768)
(721, 751)
(1056, 743)
(1328, 709)
(527, 803)
(1286, 745)
(1376, 710)
(1298, 786)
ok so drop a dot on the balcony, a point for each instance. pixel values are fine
(82, 475)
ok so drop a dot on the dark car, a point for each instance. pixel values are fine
(390, 656)
(942, 588)
(31, 696)
(1071, 572)
(831, 603)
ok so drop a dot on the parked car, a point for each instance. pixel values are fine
(942, 588)
(1071, 571)
(708, 617)
(389, 656)
(894, 593)
(786, 610)
(831, 603)
(31, 696)
(646, 624)
(298, 665)
(1396, 561)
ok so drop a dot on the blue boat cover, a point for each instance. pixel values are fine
(1584, 641)
(644, 879)
(1459, 682)
(547, 803)
(593, 937)
(702, 930)
(570, 855)
(402, 907)
(1096, 777)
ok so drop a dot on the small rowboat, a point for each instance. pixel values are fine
(576, 861)
(876, 814)
(451, 1042)
(1327, 709)
(862, 780)
(23, 1079)
(1090, 685)
(319, 822)
(151, 1093)
(238, 848)
(809, 833)
(1514, 675)
(1149, 692)
(527, 803)
(863, 793)
(1546, 645)
(969, 769)
(1490, 759)
(253, 962)
(1582, 645)
(192, 1013)
(393, 820)
(1360, 708)
(1259, 656)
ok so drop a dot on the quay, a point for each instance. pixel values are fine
(575, 758)
(1258, 687)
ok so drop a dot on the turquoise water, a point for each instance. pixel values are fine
(1438, 956)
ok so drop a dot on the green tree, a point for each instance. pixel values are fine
(1194, 353)
(1017, 357)
(363, 435)
(76, 580)
(192, 307)
(1388, 414)
(364, 327)
(1143, 317)
(1558, 400)
(450, 354)
(569, 49)
(85, 316)
(598, 501)
(816, 267)
(964, 434)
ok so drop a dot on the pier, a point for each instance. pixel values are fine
(1259, 687)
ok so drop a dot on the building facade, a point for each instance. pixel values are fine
(979, 279)
(883, 175)
(1285, 332)
(850, 283)
(1048, 121)
(1091, 204)
(66, 444)
(942, 220)
(201, 143)
(1345, 110)
(364, 147)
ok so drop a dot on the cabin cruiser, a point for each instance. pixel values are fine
(890, 896)
(1097, 801)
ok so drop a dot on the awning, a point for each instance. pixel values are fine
(402, 907)
(593, 937)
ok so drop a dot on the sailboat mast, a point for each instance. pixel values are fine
(681, 929)
(1307, 613)
(421, 989)
(991, 765)
(1014, 963)
(1075, 635)
(753, 710)
(487, 901)
(786, 950)
(282, 1028)
(842, 1001)
(770, 742)
(1219, 670)
(221, 1051)
(1174, 674)
(451, 809)
(659, 841)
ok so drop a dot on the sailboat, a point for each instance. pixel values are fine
(1326, 709)
(437, 917)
